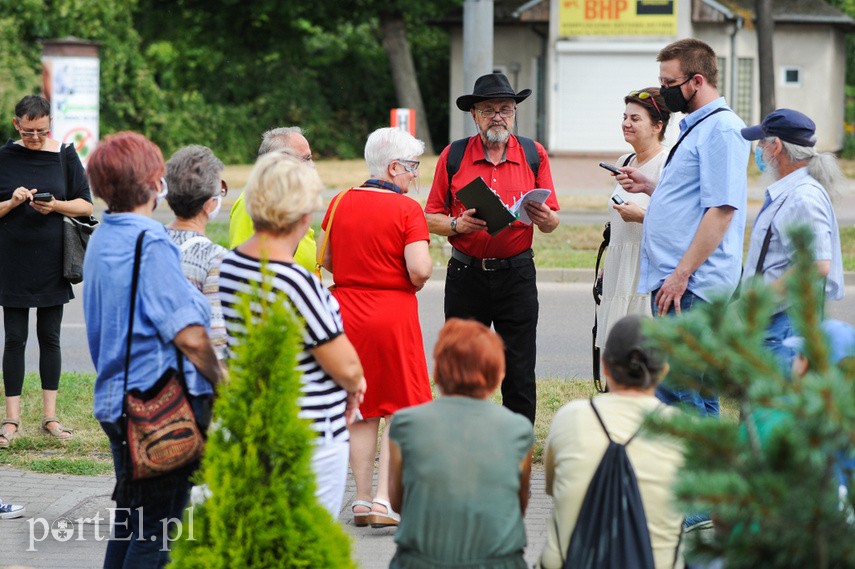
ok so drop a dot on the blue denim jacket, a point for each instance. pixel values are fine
(166, 304)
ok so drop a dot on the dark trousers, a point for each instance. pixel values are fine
(141, 530)
(703, 403)
(507, 300)
(16, 324)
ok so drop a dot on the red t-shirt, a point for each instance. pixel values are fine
(510, 179)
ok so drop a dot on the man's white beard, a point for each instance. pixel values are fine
(497, 134)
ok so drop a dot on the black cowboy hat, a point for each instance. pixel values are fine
(491, 86)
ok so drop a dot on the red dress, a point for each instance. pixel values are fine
(378, 302)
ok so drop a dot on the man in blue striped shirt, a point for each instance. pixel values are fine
(802, 179)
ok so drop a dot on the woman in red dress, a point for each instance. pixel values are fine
(378, 254)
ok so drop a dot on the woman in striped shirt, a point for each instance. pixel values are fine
(281, 195)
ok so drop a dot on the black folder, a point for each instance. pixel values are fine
(477, 194)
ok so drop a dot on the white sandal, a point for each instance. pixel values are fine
(383, 520)
(360, 519)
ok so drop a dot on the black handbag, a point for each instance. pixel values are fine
(75, 235)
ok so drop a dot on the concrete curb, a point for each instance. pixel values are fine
(584, 275)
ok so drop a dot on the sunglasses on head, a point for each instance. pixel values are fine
(644, 95)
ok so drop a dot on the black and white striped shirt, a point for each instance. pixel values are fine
(323, 401)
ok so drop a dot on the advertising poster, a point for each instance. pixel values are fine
(72, 84)
(617, 18)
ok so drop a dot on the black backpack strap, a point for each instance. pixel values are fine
(531, 155)
(603, 425)
(455, 156)
(628, 158)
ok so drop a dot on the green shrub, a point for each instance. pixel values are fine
(263, 512)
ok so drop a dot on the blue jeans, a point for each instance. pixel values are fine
(781, 328)
(703, 404)
(140, 536)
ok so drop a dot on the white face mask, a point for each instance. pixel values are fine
(162, 194)
(216, 211)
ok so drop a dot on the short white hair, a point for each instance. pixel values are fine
(385, 145)
(280, 190)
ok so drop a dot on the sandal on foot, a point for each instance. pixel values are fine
(383, 519)
(59, 431)
(6, 438)
(360, 519)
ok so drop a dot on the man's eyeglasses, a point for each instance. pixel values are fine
(409, 164)
(644, 95)
(490, 113)
(665, 83)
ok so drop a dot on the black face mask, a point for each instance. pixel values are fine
(674, 99)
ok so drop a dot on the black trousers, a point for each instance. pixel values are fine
(16, 323)
(507, 300)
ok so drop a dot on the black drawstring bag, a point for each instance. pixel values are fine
(611, 530)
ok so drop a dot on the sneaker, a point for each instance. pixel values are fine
(10, 511)
(695, 522)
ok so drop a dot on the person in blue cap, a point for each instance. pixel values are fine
(802, 182)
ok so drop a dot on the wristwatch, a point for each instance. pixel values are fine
(454, 224)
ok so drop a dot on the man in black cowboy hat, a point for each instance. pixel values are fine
(491, 278)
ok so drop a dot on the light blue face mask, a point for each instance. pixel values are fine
(758, 158)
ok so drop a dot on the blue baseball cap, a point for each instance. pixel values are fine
(840, 336)
(786, 124)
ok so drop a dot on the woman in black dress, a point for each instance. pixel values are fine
(31, 254)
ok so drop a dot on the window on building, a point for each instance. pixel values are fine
(722, 77)
(744, 88)
(791, 76)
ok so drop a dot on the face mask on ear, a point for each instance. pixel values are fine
(162, 194)
(674, 99)
(216, 211)
(758, 158)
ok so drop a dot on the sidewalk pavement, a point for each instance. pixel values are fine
(66, 522)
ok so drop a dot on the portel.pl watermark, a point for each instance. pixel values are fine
(67, 529)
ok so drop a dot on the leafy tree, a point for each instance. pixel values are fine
(262, 512)
(769, 480)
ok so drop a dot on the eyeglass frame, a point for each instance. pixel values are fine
(30, 133)
(493, 112)
(643, 95)
(672, 82)
(406, 163)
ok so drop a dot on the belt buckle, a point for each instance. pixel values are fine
(484, 266)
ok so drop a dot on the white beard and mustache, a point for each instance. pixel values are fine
(497, 134)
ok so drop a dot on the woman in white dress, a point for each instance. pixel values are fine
(644, 122)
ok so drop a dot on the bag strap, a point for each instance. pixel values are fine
(688, 130)
(606, 431)
(758, 270)
(192, 241)
(319, 260)
(64, 165)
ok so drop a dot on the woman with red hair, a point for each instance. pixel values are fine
(459, 466)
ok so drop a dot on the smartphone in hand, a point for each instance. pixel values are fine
(617, 199)
(613, 169)
(43, 197)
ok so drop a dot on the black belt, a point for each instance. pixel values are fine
(493, 264)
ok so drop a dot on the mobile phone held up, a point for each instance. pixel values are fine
(43, 197)
(613, 169)
(617, 199)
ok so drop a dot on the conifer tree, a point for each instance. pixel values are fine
(769, 478)
(262, 512)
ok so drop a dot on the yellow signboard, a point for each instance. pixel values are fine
(617, 18)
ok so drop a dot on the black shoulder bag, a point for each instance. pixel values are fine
(75, 234)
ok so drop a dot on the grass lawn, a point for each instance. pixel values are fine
(88, 453)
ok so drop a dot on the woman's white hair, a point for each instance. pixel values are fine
(280, 190)
(385, 145)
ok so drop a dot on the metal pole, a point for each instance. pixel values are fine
(477, 48)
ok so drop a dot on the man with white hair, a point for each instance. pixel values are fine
(799, 195)
(491, 278)
(289, 140)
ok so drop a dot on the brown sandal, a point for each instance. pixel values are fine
(57, 431)
(5, 437)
